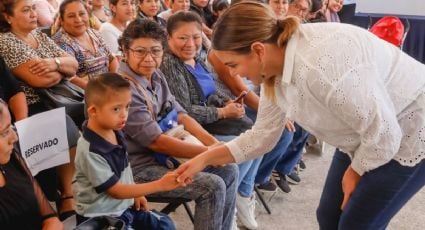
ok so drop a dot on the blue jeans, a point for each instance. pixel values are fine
(247, 171)
(289, 157)
(139, 220)
(270, 160)
(213, 190)
(380, 194)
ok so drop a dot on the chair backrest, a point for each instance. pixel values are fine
(390, 29)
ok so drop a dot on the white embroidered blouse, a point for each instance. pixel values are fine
(349, 89)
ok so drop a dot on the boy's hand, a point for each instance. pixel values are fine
(169, 182)
(141, 203)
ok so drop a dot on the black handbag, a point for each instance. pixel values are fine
(229, 126)
(102, 223)
(64, 94)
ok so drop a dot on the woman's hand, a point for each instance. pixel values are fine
(43, 66)
(140, 203)
(187, 170)
(52, 223)
(233, 110)
(349, 183)
(170, 182)
(290, 126)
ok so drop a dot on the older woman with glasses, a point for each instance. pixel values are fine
(214, 189)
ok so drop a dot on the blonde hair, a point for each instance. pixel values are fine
(247, 22)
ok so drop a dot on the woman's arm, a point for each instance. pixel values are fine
(363, 104)
(65, 64)
(262, 138)
(175, 147)
(196, 129)
(47, 80)
(18, 106)
(113, 65)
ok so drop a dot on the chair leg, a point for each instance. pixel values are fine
(189, 212)
(263, 202)
(171, 207)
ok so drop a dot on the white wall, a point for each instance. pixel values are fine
(413, 8)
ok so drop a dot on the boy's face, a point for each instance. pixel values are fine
(113, 113)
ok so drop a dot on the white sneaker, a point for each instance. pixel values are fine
(234, 224)
(246, 211)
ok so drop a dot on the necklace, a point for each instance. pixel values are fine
(2, 170)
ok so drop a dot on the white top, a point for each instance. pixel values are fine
(165, 14)
(350, 89)
(110, 35)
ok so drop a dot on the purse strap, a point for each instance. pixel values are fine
(145, 94)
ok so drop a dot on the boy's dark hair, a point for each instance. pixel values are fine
(141, 28)
(219, 5)
(98, 88)
(175, 20)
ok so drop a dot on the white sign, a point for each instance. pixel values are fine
(43, 140)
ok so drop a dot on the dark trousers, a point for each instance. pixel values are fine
(380, 194)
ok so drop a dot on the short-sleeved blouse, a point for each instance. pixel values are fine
(89, 64)
(16, 52)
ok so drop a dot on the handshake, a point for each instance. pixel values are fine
(183, 175)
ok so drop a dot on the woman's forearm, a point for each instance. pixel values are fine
(68, 66)
(196, 129)
(18, 106)
(175, 147)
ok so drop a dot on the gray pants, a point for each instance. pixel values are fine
(213, 190)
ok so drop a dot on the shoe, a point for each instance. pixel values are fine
(246, 211)
(282, 183)
(268, 186)
(293, 178)
(302, 165)
(234, 223)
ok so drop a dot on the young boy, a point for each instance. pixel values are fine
(103, 183)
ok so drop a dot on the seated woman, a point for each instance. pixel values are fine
(122, 13)
(39, 63)
(100, 11)
(202, 8)
(79, 40)
(46, 11)
(279, 7)
(214, 189)
(175, 5)
(22, 203)
(149, 9)
(194, 86)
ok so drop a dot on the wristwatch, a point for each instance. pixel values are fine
(58, 63)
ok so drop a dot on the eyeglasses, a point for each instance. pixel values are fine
(300, 9)
(142, 52)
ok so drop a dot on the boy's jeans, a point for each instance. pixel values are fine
(213, 190)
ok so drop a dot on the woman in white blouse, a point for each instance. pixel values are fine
(122, 13)
(346, 87)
